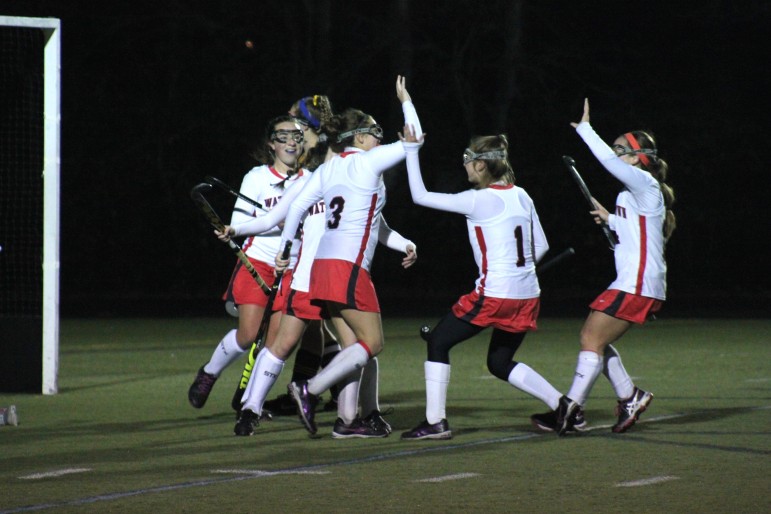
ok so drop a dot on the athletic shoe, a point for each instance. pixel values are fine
(376, 420)
(629, 410)
(281, 405)
(358, 428)
(247, 422)
(547, 422)
(200, 389)
(306, 404)
(567, 411)
(424, 430)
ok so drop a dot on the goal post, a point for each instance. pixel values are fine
(29, 308)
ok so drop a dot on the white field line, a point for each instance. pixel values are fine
(51, 474)
(757, 380)
(446, 478)
(647, 481)
(260, 473)
(307, 469)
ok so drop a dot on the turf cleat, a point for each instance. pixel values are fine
(547, 422)
(358, 428)
(567, 412)
(425, 430)
(200, 389)
(247, 421)
(281, 405)
(306, 404)
(629, 410)
(376, 420)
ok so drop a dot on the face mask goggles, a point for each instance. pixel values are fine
(375, 131)
(283, 136)
(492, 155)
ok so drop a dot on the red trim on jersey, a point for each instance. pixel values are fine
(346, 154)
(364, 345)
(499, 186)
(643, 254)
(483, 247)
(367, 229)
(286, 177)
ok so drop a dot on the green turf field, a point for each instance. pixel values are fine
(121, 437)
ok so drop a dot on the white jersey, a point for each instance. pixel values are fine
(504, 230)
(351, 185)
(638, 222)
(504, 245)
(313, 229)
(265, 185)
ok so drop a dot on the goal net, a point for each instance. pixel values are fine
(29, 203)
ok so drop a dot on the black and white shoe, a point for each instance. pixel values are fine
(566, 415)
(247, 422)
(547, 422)
(629, 410)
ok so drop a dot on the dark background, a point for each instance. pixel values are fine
(158, 94)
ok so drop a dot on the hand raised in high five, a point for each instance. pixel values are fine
(401, 89)
(585, 117)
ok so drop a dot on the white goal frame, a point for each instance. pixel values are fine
(51, 28)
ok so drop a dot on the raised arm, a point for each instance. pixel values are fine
(635, 179)
(462, 203)
(384, 157)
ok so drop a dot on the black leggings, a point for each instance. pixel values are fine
(451, 331)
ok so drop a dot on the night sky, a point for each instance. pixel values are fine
(158, 94)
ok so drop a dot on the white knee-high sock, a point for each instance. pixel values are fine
(226, 352)
(348, 397)
(525, 378)
(368, 390)
(437, 382)
(588, 368)
(346, 362)
(617, 375)
(267, 368)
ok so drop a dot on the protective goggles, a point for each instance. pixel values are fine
(624, 150)
(492, 155)
(283, 136)
(375, 131)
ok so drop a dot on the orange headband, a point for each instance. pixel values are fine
(636, 147)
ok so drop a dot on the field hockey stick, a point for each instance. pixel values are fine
(425, 330)
(556, 260)
(222, 185)
(571, 165)
(205, 207)
(259, 341)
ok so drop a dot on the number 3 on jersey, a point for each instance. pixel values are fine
(335, 207)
